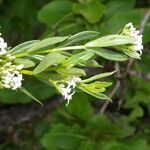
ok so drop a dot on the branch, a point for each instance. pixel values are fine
(115, 89)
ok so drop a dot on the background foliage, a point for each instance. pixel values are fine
(125, 123)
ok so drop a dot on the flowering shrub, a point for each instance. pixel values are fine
(54, 64)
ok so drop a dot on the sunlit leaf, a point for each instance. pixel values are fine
(49, 60)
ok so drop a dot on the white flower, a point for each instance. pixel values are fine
(137, 46)
(12, 79)
(3, 46)
(68, 91)
(10, 76)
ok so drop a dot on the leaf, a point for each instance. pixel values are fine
(88, 145)
(98, 77)
(92, 11)
(62, 137)
(106, 126)
(84, 35)
(136, 112)
(78, 58)
(132, 54)
(30, 95)
(97, 95)
(46, 42)
(120, 6)
(26, 62)
(54, 11)
(71, 71)
(38, 57)
(97, 86)
(134, 15)
(75, 107)
(110, 55)
(49, 60)
(110, 40)
(23, 47)
(40, 90)
(91, 63)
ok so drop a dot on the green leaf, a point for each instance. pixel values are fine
(110, 40)
(23, 47)
(30, 95)
(120, 6)
(80, 107)
(71, 71)
(54, 11)
(46, 42)
(132, 54)
(62, 137)
(84, 35)
(78, 58)
(89, 145)
(40, 90)
(134, 15)
(49, 60)
(105, 126)
(102, 75)
(136, 112)
(26, 62)
(92, 11)
(97, 86)
(108, 54)
(92, 64)
(97, 95)
(38, 57)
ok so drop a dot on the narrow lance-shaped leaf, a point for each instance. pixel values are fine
(110, 40)
(78, 58)
(80, 37)
(98, 77)
(71, 71)
(37, 57)
(26, 62)
(97, 95)
(47, 42)
(49, 60)
(23, 47)
(30, 95)
(91, 63)
(108, 54)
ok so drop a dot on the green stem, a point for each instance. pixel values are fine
(21, 55)
(65, 49)
(27, 72)
(96, 77)
(52, 50)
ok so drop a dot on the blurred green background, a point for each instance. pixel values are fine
(125, 123)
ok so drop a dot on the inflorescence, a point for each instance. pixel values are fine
(10, 76)
(68, 90)
(130, 30)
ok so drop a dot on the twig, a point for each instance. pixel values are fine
(144, 21)
(145, 76)
(115, 89)
(143, 24)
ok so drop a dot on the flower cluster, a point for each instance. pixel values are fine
(10, 76)
(3, 46)
(68, 90)
(130, 31)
